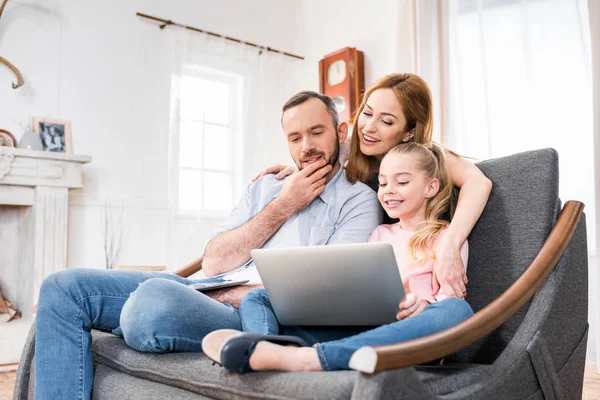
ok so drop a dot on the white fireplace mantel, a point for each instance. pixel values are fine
(34, 189)
(27, 168)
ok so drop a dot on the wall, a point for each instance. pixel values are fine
(382, 29)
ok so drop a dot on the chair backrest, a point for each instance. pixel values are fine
(517, 219)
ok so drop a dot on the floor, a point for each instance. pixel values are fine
(7, 380)
(591, 384)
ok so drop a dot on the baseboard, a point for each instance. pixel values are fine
(9, 367)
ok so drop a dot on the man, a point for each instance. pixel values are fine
(313, 133)
(157, 312)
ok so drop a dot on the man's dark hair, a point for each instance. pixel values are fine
(306, 95)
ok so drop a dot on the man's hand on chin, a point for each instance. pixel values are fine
(232, 295)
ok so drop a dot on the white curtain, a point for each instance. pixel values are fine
(515, 75)
(269, 79)
(432, 59)
(594, 14)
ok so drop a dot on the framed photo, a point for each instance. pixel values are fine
(54, 133)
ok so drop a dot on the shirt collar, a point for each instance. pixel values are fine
(329, 188)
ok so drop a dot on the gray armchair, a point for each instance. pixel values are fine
(527, 339)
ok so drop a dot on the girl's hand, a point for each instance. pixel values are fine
(449, 271)
(281, 170)
(412, 305)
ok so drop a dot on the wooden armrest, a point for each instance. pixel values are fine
(432, 347)
(190, 269)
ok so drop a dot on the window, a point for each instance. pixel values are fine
(208, 141)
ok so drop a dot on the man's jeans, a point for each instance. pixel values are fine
(161, 315)
(335, 345)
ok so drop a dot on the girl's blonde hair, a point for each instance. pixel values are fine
(415, 99)
(431, 159)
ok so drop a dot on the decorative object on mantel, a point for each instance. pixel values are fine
(55, 134)
(7, 139)
(163, 23)
(30, 140)
(7, 312)
(4, 61)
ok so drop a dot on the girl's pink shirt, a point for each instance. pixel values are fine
(416, 276)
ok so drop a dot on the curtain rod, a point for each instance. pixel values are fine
(169, 22)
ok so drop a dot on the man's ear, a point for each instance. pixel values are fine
(343, 132)
(408, 136)
(432, 188)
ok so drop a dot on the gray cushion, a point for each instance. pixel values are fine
(112, 384)
(512, 229)
(195, 373)
(116, 364)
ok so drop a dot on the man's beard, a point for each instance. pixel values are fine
(332, 160)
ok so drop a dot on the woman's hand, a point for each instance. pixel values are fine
(475, 189)
(412, 305)
(281, 170)
(449, 271)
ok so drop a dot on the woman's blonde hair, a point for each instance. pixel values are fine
(415, 99)
(431, 159)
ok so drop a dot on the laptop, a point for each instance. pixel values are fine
(349, 284)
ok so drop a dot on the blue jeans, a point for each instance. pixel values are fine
(335, 345)
(153, 311)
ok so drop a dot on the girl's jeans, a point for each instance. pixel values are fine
(335, 345)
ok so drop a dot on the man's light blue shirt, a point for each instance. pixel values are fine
(343, 213)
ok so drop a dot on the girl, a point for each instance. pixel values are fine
(398, 109)
(415, 187)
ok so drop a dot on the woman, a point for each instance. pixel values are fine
(398, 109)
